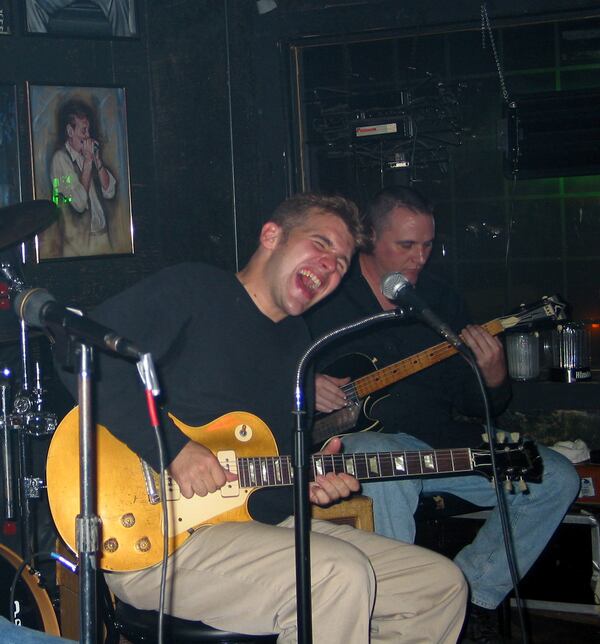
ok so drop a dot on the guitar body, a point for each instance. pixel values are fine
(131, 534)
(357, 417)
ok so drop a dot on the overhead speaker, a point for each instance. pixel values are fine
(552, 134)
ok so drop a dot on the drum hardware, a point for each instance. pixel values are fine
(9, 502)
(29, 421)
(15, 280)
(32, 487)
(28, 408)
(28, 426)
(31, 605)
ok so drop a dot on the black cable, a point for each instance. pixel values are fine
(15, 581)
(502, 508)
(150, 380)
(165, 517)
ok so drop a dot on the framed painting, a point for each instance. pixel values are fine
(80, 160)
(5, 18)
(82, 18)
(10, 173)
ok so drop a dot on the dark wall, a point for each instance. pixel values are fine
(179, 85)
(100, 62)
(209, 117)
(274, 174)
(190, 87)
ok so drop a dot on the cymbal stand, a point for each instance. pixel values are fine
(30, 420)
(29, 488)
(27, 408)
(23, 338)
(7, 454)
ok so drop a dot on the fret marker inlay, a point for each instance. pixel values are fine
(319, 466)
(349, 462)
(277, 470)
(399, 463)
(373, 465)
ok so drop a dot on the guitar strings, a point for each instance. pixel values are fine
(273, 470)
(436, 353)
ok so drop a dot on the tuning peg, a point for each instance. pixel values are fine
(522, 486)
(508, 486)
(515, 437)
(500, 436)
(485, 438)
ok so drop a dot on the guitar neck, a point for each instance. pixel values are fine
(278, 470)
(398, 370)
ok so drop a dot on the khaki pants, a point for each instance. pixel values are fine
(365, 588)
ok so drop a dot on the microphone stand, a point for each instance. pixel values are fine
(301, 473)
(69, 349)
(74, 336)
(87, 522)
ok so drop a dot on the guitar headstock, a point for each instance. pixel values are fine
(550, 307)
(517, 461)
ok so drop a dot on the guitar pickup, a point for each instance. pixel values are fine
(228, 461)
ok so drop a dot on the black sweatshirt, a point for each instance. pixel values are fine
(215, 353)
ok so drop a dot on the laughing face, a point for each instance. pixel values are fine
(306, 266)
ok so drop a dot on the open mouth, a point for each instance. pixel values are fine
(309, 282)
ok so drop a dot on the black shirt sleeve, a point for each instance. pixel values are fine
(152, 315)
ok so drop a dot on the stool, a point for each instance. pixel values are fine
(141, 626)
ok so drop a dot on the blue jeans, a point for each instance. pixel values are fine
(11, 634)
(533, 517)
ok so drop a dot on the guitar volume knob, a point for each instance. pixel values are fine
(143, 544)
(110, 545)
(128, 520)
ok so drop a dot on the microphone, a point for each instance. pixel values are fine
(397, 288)
(37, 307)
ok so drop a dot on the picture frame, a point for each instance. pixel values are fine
(5, 18)
(114, 19)
(10, 166)
(80, 161)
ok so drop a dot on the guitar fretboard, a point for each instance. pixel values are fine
(375, 381)
(278, 470)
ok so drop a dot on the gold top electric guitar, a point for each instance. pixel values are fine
(129, 506)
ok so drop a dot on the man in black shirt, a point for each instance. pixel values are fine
(225, 343)
(419, 411)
